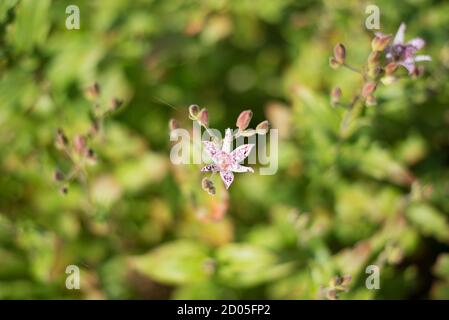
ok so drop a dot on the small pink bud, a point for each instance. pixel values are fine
(340, 53)
(368, 89)
(203, 117)
(380, 42)
(262, 128)
(391, 68)
(79, 143)
(193, 110)
(173, 124)
(244, 119)
(335, 96)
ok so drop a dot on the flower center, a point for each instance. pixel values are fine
(225, 162)
(398, 51)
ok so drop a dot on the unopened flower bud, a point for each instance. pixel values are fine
(340, 53)
(346, 280)
(333, 63)
(380, 42)
(173, 124)
(371, 101)
(391, 68)
(90, 154)
(206, 183)
(61, 139)
(331, 294)
(79, 143)
(64, 190)
(212, 191)
(208, 186)
(374, 58)
(116, 104)
(244, 119)
(93, 91)
(368, 89)
(193, 110)
(58, 175)
(262, 128)
(335, 96)
(203, 117)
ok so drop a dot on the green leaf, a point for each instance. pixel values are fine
(245, 265)
(5, 5)
(429, 221)
(31, 26)
(178, 262)
(441, 267)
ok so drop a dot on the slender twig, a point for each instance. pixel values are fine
(354, 69)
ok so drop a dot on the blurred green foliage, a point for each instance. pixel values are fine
(333, 208)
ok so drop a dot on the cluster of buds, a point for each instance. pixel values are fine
(208, 186)
(382, 66)
(77, 149)
(243, 121)
(337, 286)
(225, 161)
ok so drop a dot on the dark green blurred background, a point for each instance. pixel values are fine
(135, 228)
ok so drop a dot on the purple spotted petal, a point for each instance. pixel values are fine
(418, 43)
(227, 177)
(400, 35)
(239, 168)
(210, 168)
(212, 150)
(227, 141)
(239, 154)
(422, 58)
(409, 65)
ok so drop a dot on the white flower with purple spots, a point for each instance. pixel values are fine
(226, 161)
(404, 53)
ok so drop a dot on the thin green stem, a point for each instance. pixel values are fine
(354, 69)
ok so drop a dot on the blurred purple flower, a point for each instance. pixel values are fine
(403, 53)
(225, 161)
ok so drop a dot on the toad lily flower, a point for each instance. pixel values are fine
(405, 53)
(226, 161)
